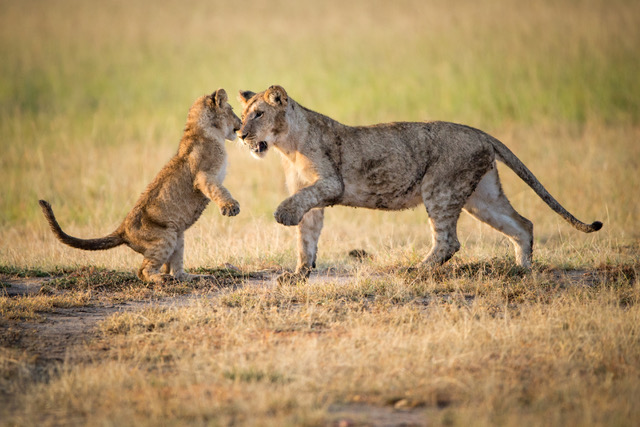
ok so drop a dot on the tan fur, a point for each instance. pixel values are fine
(177, 196)
(448, 167)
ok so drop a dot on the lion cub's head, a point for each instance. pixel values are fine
(213, 115)
(263, 118)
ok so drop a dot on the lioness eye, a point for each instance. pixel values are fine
(258, 114)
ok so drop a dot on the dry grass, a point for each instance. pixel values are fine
(537, 349)
(92, 103)
(31, 307)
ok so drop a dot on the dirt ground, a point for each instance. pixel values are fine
(50, 339)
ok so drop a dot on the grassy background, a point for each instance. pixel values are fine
(93, 99)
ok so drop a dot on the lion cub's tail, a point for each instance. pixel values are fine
(508, 158)
(107, 242)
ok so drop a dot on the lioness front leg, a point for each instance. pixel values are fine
(290, 211)
(217, 193)
(308, 234)
(324, 192)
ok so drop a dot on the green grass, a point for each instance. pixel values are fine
(469, 61)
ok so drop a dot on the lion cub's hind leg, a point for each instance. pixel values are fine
(489, 204)
(156, 256)
(175, 264)
(150, 271)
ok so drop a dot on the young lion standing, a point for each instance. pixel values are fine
(177, 196)
(446, 166)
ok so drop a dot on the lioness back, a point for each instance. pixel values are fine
(384, 165)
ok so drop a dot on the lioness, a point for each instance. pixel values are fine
(177, 196)
(392, 166)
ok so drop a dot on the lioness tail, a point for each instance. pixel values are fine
(508, 158)
(107, 242)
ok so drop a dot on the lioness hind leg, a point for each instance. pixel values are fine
(444, 193)
(489, 204)
(444, 238)
(444, 212)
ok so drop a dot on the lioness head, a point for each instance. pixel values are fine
(263, 118)
(213, 112)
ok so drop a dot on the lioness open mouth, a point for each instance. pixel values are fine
(261, 147)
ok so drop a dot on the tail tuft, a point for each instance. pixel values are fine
(595, 226)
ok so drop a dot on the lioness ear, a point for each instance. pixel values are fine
(220, 97)
(276, 96)
(244, 96)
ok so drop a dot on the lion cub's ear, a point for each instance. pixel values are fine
(276, 96)
(244, 96)
(220, 97)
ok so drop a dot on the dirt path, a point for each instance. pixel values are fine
(49, 340)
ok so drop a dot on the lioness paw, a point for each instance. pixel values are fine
(287, 214)
(230, 209)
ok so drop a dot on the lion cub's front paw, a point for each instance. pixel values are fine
(230, 209)
(287, 214)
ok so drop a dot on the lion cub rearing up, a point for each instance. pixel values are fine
(177, 196)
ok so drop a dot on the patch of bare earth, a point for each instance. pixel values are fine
(52, 338)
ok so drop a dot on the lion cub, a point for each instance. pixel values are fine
(177, 196)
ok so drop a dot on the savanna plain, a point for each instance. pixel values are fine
(93, 99)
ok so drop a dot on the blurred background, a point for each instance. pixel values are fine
(94, 96)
